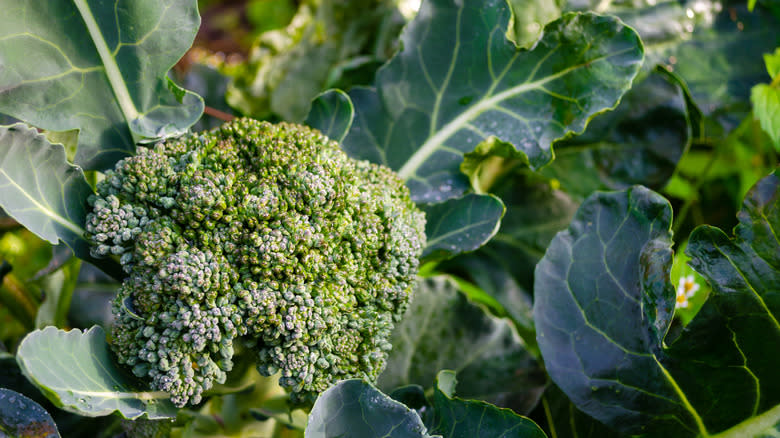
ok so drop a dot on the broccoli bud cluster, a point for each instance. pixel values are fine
(259, 233)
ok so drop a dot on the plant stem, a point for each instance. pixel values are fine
(16, 298)
(213, 112)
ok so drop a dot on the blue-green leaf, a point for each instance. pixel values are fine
(604, 305)
(461, 225)
(77, 372)
(458, 80)
(355, 409)
(457, 418)
(100, 67)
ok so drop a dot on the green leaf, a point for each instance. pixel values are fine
(487, 354)
(458, 80)
(529, 17)
(766, 107)
(772, 61)
(604, 304)
(100, 67)
(77, 372)
(355, 409)
(457, 418)
(638, 143)
(280, 410)
(461, 225)
(489, 162)
(23, 418)
(332, 113)
(43, 192)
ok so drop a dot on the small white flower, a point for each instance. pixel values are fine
(686, 288)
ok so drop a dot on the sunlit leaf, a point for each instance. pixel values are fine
(766, 105)
(43, 192)
(100, 67)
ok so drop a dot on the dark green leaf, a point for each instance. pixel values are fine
(412, 396)
(458, 80)
(78, 373)
(461, 225)
(23, 418)
(722, 58)
(604, 304)
(638, 143)
(208, 82)
(457, 418)
(100, 67)
(492, 275)
(332, 113)
(92, 298)
(504, 268)
(563, 419)
(716, 47)
(355, 409)
(485, 351)
(11, 378)
(43, 192)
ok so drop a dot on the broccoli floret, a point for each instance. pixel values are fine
(264, 234)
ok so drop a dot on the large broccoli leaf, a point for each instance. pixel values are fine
(77, 372)
(99, 67)
(458, 80)
(604, 304)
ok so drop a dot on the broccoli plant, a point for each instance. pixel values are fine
(510, 228)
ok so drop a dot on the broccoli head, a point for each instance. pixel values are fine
(263, 234)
